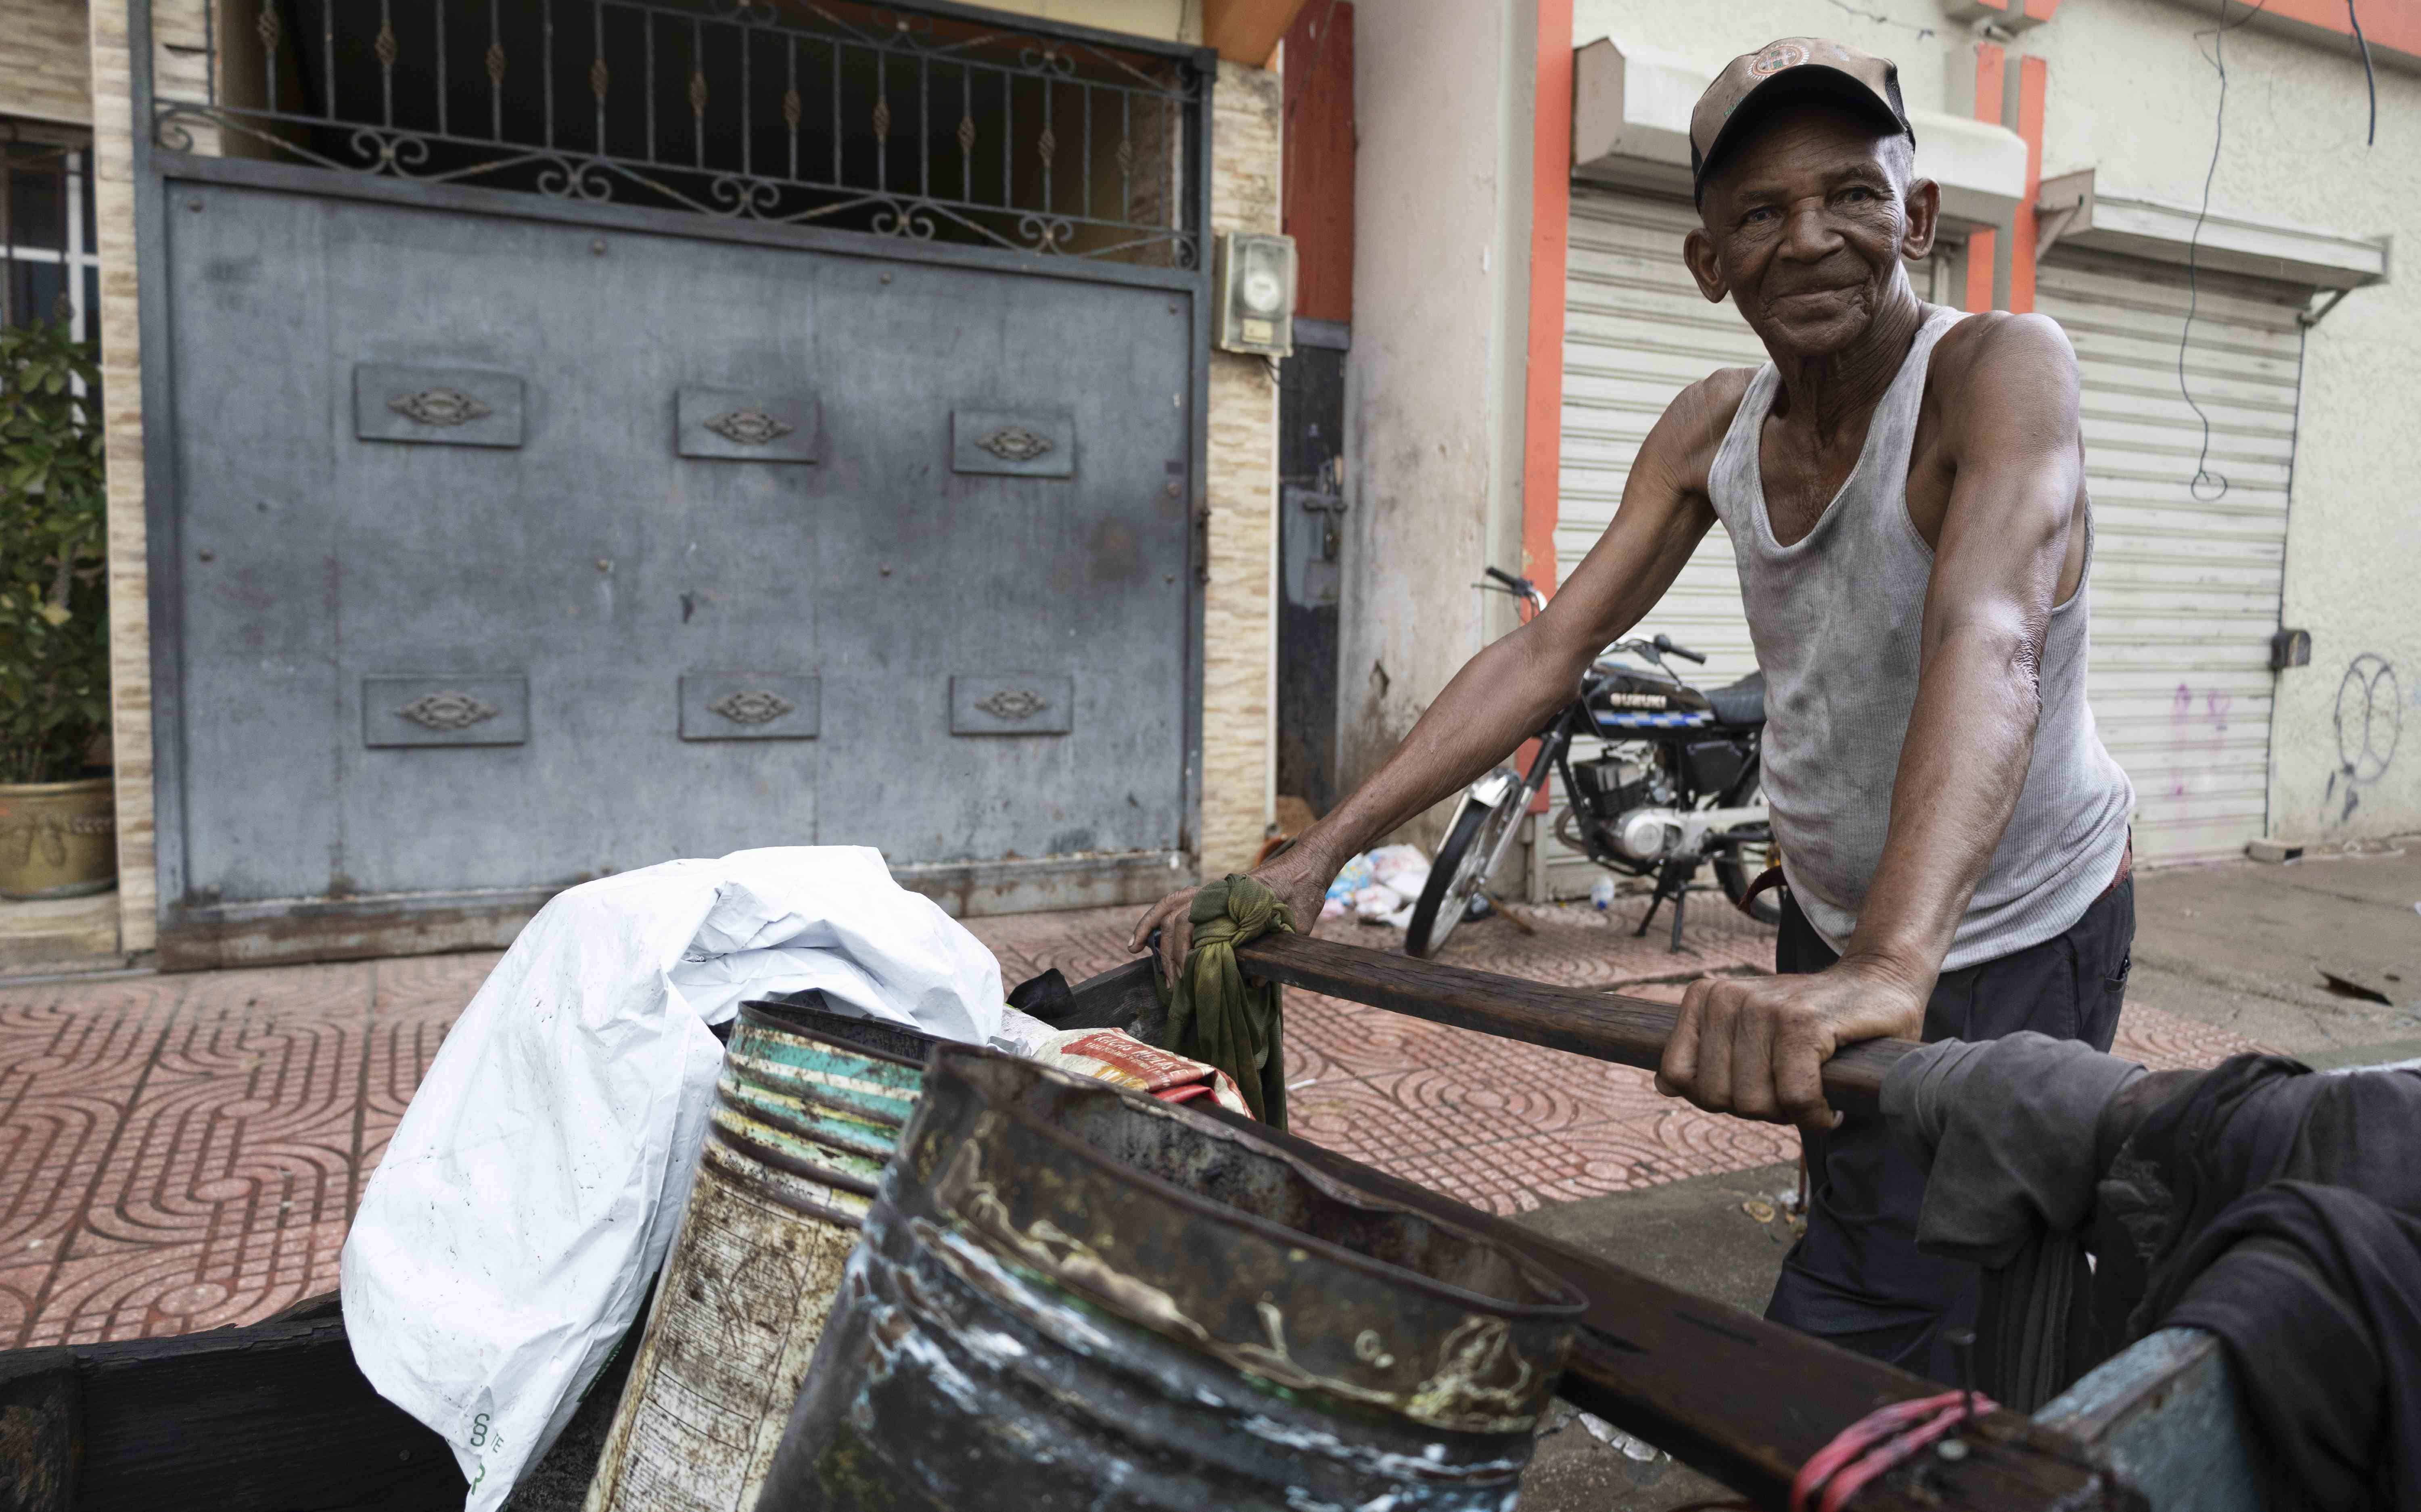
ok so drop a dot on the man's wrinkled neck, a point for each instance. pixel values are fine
(1836, 392)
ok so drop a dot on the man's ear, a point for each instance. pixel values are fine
(1698, 251)
(1924, 205)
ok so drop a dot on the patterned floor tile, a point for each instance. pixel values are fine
(179, 1152)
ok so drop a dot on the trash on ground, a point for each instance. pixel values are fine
(2347, 986)
(1647, 1464)
(509, 1235)
(1379, 886)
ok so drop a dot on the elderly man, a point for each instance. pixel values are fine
(1903, 487)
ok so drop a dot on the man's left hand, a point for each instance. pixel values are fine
(1756, 1046)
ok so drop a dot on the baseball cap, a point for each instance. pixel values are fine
(1787, 72)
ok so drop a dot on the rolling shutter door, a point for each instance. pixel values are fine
(1636, 332)
(2185, 588)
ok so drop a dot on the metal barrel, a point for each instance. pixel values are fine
(807, 1114)
(1075, 1297)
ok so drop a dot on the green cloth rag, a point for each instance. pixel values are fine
(1214, 1013)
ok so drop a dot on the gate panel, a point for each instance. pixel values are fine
(610, 552)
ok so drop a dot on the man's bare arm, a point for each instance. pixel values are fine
(1755, 1048)
(1502, 695)
(1996, 582)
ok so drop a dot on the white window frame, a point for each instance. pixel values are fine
(78, 256)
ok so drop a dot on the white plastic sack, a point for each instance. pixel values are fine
(507, 1237)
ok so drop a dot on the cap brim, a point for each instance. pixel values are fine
(1815, 82)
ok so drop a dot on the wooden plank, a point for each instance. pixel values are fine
(41, 1430)
(272, 1418)
(1606, 1025)
(1316, 175)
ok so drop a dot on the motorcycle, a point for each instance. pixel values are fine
(1675, 788)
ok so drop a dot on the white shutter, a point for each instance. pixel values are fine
(2185, 589)
(1636, 332)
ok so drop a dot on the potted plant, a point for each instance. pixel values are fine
(58, 821)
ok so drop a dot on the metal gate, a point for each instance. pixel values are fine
(519, 535)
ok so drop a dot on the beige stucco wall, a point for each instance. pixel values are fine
(130, 604)
(1434, 380)
(1166, 20)
(1239, 627)
(2129, 96)
(42, 72)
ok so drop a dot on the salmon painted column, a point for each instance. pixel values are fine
(1984, 250)
(1551, 208)
(1551, 216)
(2002, 277)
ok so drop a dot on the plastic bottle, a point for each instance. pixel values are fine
(1601, 894)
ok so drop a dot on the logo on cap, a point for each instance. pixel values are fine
(1777, 58)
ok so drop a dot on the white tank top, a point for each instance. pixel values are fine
(1836, 617)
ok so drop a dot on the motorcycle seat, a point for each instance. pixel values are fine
(1742, 703)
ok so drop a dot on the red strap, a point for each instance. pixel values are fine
(1183, 1094)
(1874, 1445)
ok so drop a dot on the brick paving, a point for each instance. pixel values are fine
(182, 1152)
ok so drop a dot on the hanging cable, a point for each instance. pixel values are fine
(2369, 78)
(2203, 476)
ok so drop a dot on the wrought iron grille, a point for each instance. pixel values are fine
(891, 121)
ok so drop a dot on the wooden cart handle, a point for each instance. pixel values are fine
(1607, 1027)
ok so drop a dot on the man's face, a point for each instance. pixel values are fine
(1806, 227)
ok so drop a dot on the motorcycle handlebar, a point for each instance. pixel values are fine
(1665, 643)
(1517, 585)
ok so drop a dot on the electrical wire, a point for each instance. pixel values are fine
(2369, 79)
(2203, 476)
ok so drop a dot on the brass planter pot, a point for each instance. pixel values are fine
(58, 839)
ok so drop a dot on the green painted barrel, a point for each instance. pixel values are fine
(807, 1114)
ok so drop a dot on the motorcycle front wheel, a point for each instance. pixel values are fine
(1460, 871)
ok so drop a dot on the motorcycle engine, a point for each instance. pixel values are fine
(1623, 798)
(1611, 784)
(1647, 833)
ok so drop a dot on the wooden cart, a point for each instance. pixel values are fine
(275, 1417)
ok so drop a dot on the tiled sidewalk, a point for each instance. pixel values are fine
(179, 1152)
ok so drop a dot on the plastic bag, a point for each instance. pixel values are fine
(507, 1237)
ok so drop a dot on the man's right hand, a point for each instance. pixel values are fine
(1298, 877)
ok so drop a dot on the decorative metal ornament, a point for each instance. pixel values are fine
(1013, 704)
(749, 427)
(447, 710)
(752, 706)
(1015, 444)
(439, 407)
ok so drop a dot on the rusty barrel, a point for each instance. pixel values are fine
(1075, 1297)
(807, 1114)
